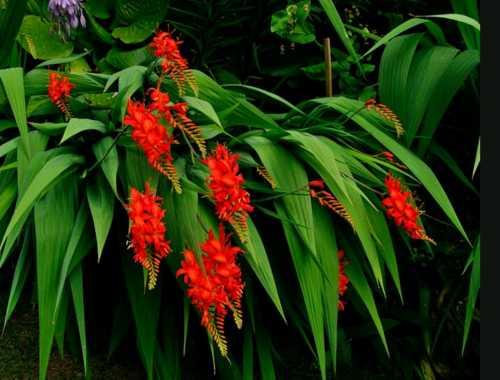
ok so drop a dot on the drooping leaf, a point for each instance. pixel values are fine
(475, 284)
(76, 126)
(101, 202)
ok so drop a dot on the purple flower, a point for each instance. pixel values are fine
(68, 14)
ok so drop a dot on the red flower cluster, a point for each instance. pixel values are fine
(58, 91)
(178, 118)
(231, 201)
(221, 287)
(173, 63)
(153, 138)
(343, 280)
(404, 213)
(148, 231)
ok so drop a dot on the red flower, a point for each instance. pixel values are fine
(404, 213)
(58, 92)
(160, 102)
(222, 286)
(153, 138)
(148, 231)
(343, 280)
(231, 201)
(173, 63)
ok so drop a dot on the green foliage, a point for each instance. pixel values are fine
(64, 182)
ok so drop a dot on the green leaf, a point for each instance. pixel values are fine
(221, 100)
(248, 354)
(51, 129)
(394, 69)
(76, 126)
(77, 235)
(449, 83)
(142, 18)
(357, 278)
(60, 61)
(101, 202)
(470, 35)
(76, 282)
(423, 173)
(205, 108)
(14, 87)
(122, 59)
(23, 267)
(50, 172)
(54, 217)
(475, 284)
(426, 70)
(478, 158)
(46, 46)
(12, 18)
(460, 18)
(110, 164)
(7, 124)
(96, 30)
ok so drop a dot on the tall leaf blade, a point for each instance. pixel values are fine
(109, 165)
(54, 217)
(101, 202)
(11, 21)
(475, 284)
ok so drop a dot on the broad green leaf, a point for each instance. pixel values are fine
(76, 281)
(96, 30)
(142, 18)
(51, 170)
(7, 124)
(76, 126)
(338, 24)
(109, 165)
(7, 196)
(426, 70)
(394, 69)
(60, 61)
(46, 46)
(9, 146)
(101, 202)
(54, 217)
(451, 80)
(475, 284)
(77, 235)
(38, 142)
(122, 59)
(139, 171)
(51, 129)
(14, 86)
(205, 108)
(409, 159)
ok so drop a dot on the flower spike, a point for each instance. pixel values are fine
(148, 231)
(265, 174)
(403, 212)
(382, 110)
(328, 200)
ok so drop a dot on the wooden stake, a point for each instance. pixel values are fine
(328, 67)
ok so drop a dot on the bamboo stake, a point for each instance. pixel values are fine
(328, 67)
